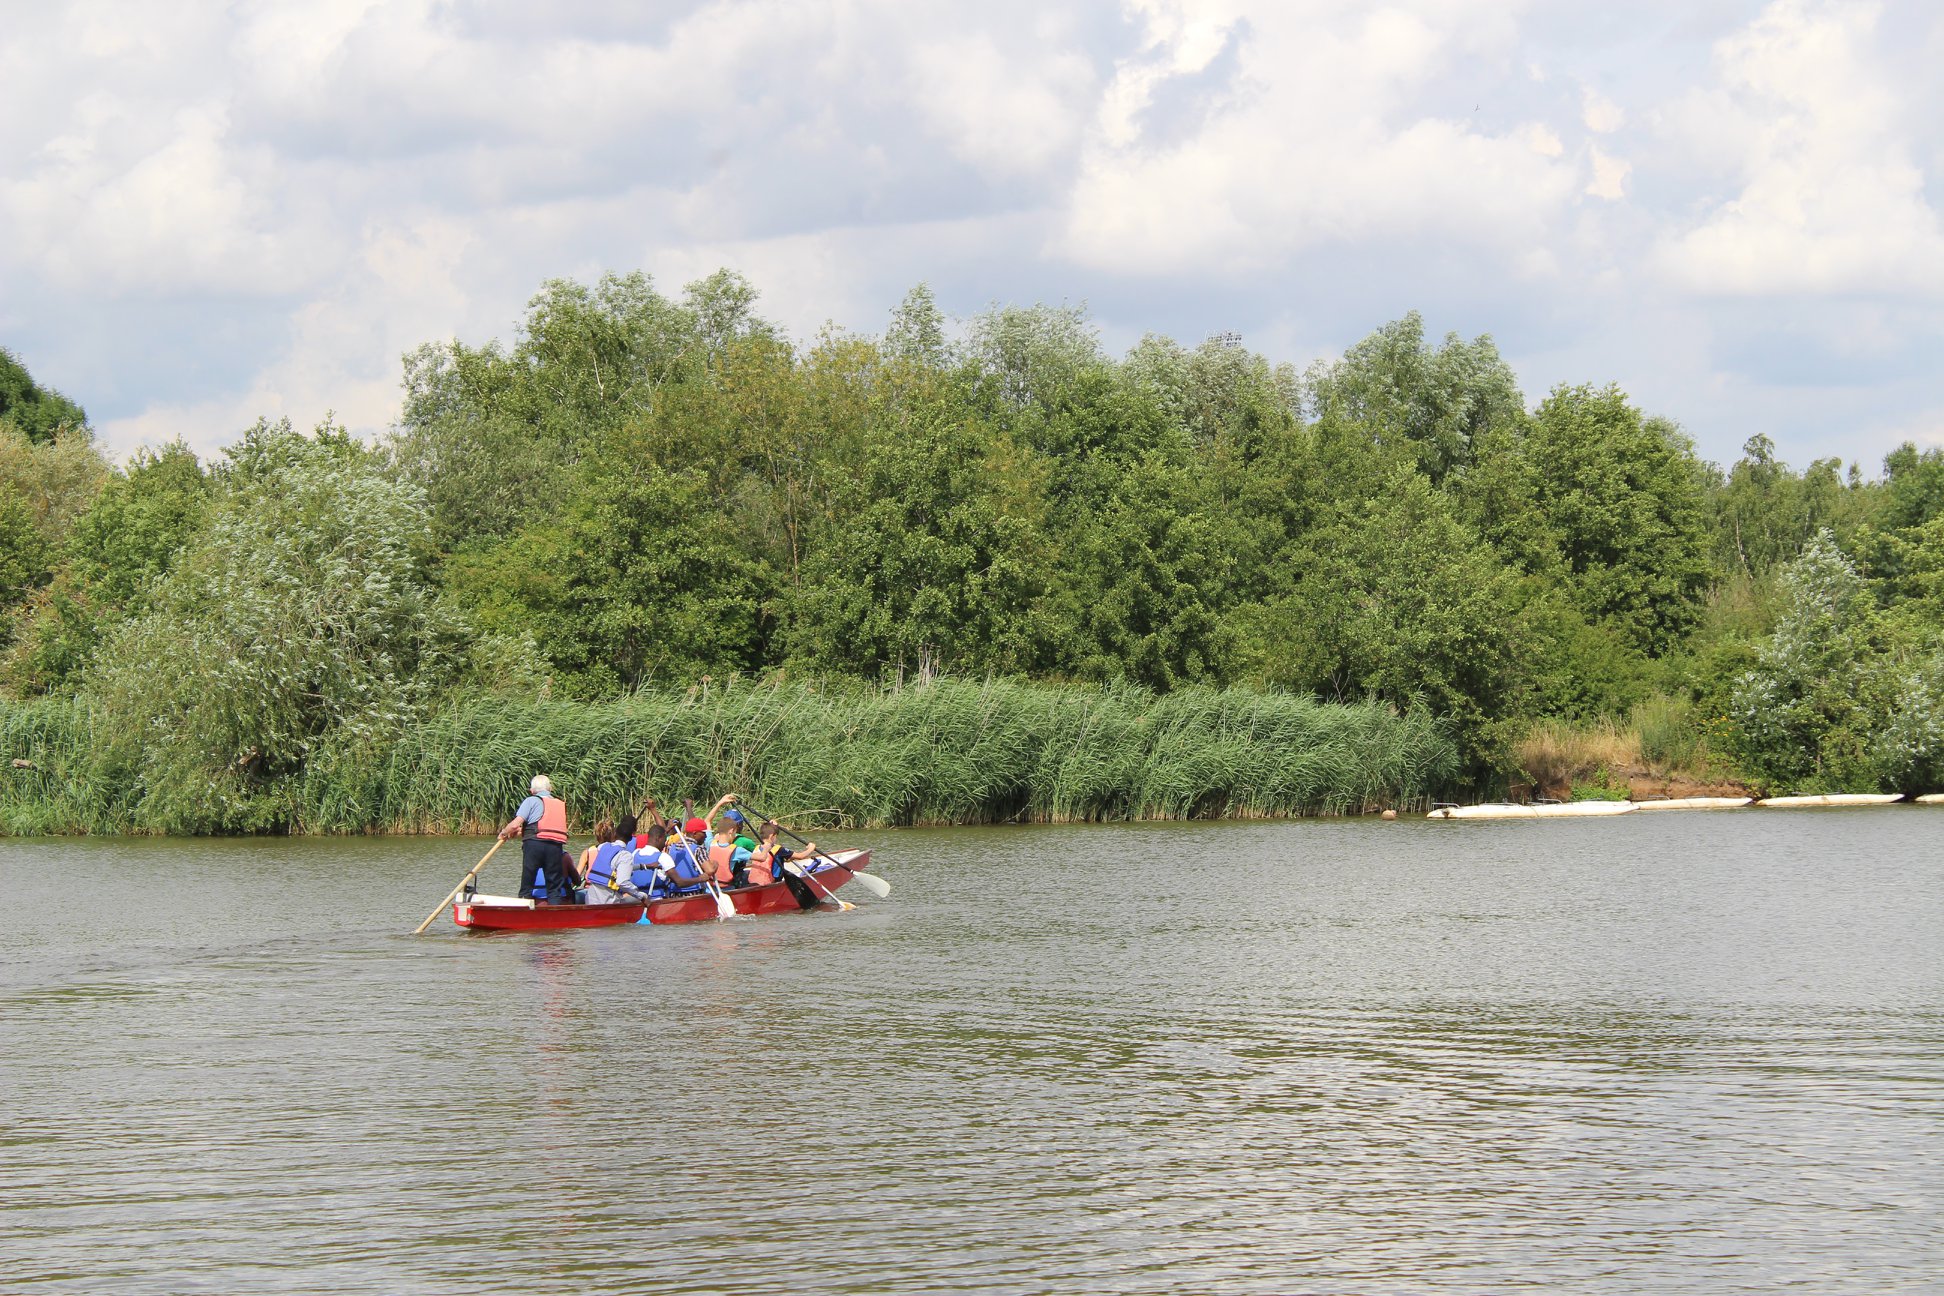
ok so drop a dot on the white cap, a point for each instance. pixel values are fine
(541, 785)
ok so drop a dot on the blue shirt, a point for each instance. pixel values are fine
(530, 810)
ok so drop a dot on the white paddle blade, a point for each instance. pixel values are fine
(725, 907)
(797, 870)
(871, 882)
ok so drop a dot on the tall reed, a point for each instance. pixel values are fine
(945, 751)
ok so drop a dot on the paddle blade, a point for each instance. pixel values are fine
(725, 907)
(871, 882)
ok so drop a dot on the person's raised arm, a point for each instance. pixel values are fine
(728, 798)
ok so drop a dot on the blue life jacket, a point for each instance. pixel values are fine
(645, 877)
(688, 871)
(601, 872)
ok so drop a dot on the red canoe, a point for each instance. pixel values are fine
(506, 913)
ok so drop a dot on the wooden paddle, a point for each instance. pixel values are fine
(440, 907)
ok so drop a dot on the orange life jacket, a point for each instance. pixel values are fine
(722, 857)
(553, 820)
(760, 873)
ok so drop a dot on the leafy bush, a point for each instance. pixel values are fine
(1805, 717)
(1601, 787)
(300, 616)
(1909, 747)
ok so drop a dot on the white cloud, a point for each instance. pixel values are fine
(1609, 176)
(343, 347)
(189, 212)
(1321, 138)
(1544, 140)
(1600, 114)
(1002, 114)
(212, 212)
(1831, 197)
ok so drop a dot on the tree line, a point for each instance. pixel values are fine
(642, 490)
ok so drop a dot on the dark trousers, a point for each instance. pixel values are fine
(538, 856)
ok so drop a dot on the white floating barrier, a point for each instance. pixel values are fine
(1593, 809)
(1931, 798)
(1566, 810)
(1694, 803)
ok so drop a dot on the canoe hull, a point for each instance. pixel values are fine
(501, 913)
(507, 913)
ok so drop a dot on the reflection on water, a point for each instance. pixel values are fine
(1686, 1053)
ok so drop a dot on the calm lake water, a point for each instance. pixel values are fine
(1678, 1053)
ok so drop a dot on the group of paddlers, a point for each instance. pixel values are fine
(643, 857)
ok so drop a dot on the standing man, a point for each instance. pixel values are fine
(542, 823)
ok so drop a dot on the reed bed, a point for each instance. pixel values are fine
(943, 752)
(46, 752)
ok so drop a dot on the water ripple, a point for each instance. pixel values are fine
(1374, 1058)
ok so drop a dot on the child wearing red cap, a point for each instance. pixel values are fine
(694, 833)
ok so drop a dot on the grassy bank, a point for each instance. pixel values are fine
(1660, 747)
(948, 751)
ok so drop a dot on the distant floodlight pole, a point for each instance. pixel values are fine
(1227, 341)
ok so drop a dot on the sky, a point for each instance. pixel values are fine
(211, 212)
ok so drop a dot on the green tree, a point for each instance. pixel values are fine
(114, 551)
(934, 555)
(56, 480)
(44, 486)
(1435, 400)
(1914, 485)
(917, 332)
(1766, 512)
(1031, 356)
(40, 414)
(1143, 582)
(1908, 748)
(496, 433)
(641, 581)
(143, 515)
(1499, 495)
(23, 552)
(1216, 392)
(1624, 495)
(1396, 598)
